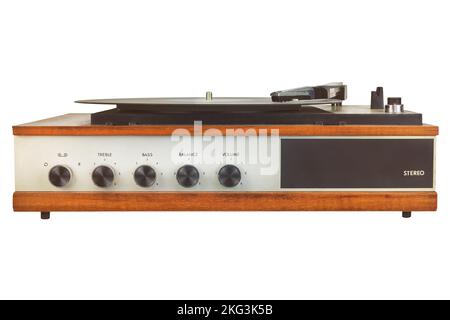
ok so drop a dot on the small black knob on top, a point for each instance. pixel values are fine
(394, 105)
(377, 99)
(59, 176)
(145, 176)
(103, 176)
(229, 176)
(394, 101)
(188, 176)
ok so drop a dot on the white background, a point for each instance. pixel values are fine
(54, 52)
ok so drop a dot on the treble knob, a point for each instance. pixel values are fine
(103, 176)
(59, 176)
(144, 176)
(229, 176)
(188, 176)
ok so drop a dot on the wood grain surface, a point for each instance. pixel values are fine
(225, 201)
(293, 130)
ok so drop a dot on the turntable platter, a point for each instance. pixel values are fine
(246, 104)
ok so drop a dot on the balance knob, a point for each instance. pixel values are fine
(59, 176)
(145, 176)
(103, 176)
(187, 176)
(229, 176)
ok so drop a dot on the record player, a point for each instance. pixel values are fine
(295, 150)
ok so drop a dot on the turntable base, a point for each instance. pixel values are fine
(78, 125)
(299, 150)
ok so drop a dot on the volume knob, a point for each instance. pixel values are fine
(59, 176)
(188, 176)
(144, 176)
(103, 176)
(229, 176)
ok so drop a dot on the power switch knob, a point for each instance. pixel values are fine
(59, 176)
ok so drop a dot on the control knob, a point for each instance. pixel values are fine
(145, 176)
(188, 176)
(394, 105)
(59, 176)
(229, 176)
(103, 176)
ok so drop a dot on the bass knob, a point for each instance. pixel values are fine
(144, 176)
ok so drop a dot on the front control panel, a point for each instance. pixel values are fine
(164, 163)
(144, 164)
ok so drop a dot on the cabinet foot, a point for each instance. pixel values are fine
(406, 214)
(45, 215)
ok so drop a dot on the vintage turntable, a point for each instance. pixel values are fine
(297, 150)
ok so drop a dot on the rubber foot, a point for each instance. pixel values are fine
(45, 215)
(406, 214)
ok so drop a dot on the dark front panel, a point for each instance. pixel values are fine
(304, 115)
(357, 163)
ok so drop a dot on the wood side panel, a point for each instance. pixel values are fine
(284, 130)
(225, 201)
